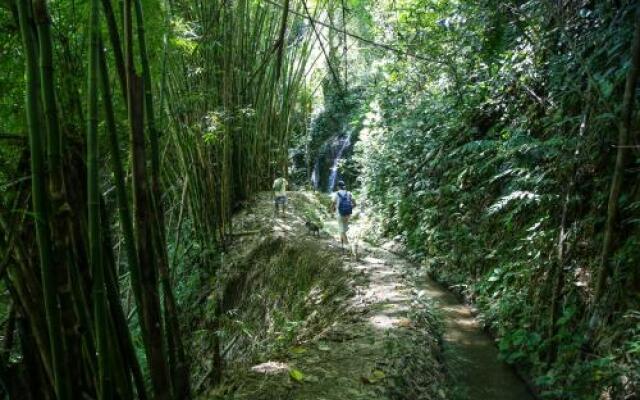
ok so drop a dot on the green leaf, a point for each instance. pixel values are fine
(296, 375)
(298, 350)
(375, 377)
(377, 374)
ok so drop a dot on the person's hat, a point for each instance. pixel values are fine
(341, 184)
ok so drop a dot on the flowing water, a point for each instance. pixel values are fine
(343, 143)
(474, 360)
(315, 175)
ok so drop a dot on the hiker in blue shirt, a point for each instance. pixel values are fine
(342, 203)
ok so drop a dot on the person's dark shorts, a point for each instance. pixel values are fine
(281, 200)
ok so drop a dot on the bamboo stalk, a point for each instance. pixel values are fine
(43, 25)
(41, 213)
(178, 367)
(124, 212)
(151, 314)
(114, 39)
(104, 389)
(281, 37)
(120, 336)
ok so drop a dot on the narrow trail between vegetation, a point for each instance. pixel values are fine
(470, 354)
(385, 345)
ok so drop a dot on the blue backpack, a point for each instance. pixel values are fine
(345, 206)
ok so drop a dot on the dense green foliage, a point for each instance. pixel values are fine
(494, 161)
(498, 139)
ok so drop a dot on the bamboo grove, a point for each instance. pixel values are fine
(129, 131)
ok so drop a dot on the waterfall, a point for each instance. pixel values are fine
(343, 143)
(315, 175)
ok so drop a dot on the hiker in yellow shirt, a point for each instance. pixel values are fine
(280, 195)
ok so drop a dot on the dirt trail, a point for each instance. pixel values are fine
(353, 358)
(471, 356)
(384, 345)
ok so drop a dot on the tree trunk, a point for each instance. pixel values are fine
(618, 173)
